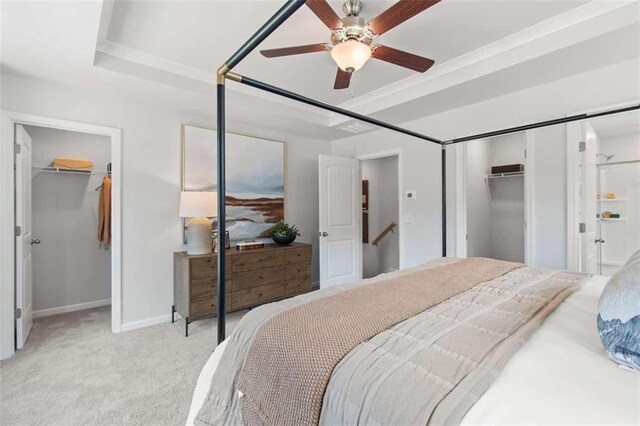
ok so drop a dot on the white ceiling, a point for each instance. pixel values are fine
(166, 53)
(203, 35)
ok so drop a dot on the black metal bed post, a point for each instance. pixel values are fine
(221, 207)
(274, 22)
(543, 124)
(444, 199)
(309, 101)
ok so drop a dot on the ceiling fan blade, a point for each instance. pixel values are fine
(326, 14)
(294, 50)
(397, 14)
(343, 79)
(404, 59)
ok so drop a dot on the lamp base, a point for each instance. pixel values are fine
(199, 236)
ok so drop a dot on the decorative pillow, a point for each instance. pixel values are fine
(619, 314)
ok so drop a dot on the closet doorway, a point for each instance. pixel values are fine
(603, 192)
(380, 215)
(494, 198)
(62, 263)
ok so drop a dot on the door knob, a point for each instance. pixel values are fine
(599, 240)
(322, 234)
(36, 242)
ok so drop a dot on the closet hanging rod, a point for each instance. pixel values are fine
(503, 175)
(51, 169)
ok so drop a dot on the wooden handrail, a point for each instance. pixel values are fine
(383, 233)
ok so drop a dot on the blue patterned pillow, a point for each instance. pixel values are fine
(619, 314)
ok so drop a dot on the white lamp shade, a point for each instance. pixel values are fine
(198, 204)
(351, 55)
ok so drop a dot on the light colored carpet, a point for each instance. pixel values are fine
(74, 371)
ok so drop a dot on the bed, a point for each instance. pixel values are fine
(560, 374)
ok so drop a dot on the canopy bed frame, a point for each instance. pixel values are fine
(225, 72)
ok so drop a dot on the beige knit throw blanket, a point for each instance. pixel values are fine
(294, 353)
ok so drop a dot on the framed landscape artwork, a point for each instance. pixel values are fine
(255, 178)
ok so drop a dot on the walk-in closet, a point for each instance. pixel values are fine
(495, 197)
(70, 208)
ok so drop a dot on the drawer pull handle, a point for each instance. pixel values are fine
(259, 294)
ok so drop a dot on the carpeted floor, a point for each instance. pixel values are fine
(74, 371)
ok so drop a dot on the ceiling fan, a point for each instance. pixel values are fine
(352, 37)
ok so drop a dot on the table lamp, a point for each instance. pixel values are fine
(198, 206)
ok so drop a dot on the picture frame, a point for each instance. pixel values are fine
(255, 182)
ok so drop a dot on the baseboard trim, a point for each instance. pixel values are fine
(70, 308)
(134, 325)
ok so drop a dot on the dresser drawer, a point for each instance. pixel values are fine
(257, 295)
(206, 305)
(201, 286)
(298, 270)
(260, 260)
(298, 255)
(242, 280)
(205, 267)
(297, 286)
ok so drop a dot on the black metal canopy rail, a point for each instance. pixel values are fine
(224, 72)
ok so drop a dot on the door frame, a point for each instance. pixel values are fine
(384, 154)
(529, 191)
(573, 138)
(7, 205)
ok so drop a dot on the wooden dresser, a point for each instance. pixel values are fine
(254, 277)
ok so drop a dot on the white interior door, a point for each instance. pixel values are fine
(340, 221)
(24, 264)
(588, 201)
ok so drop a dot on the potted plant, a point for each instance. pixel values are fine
(284, 234)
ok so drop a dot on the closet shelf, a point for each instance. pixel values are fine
(50, 169)
(503, 175)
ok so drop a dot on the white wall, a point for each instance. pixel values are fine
(614, 84)
(69, 267)
(382, 174)
(151, 181)
(550, 197)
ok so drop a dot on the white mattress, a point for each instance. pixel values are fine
(561, 376)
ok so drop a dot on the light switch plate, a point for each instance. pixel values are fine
(410, 195)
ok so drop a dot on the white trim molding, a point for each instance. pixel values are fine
(7, 205)
(529, 200)
(134, 325)
(461, 200)
(71, 308)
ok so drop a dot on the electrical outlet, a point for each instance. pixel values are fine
(408, 218)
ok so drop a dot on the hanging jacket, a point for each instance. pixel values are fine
(104, 213)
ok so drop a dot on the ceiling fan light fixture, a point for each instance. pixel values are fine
(351, 55)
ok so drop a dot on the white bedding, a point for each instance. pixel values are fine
(562, 375)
